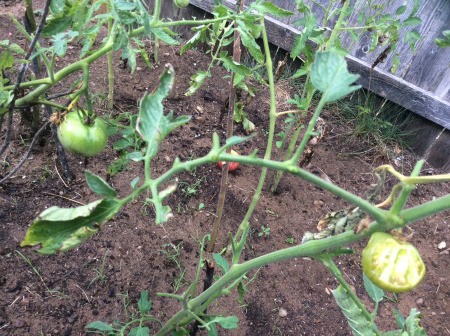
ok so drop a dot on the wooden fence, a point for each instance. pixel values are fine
(421, 82)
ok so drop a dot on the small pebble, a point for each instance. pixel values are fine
(442, 245)
(282, 312)
(419, 301)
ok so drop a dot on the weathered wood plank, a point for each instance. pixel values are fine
(411, 96)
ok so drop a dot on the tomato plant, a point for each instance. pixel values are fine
(391, 263)
(79, 137)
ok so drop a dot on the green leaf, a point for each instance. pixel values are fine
(124, 6)
(144, 303)
(221, 262)
(412, 21)
(329, 74)
(57, 24)
(236, 67)
(443, 42)
(139, 331)
(242, 290)
(309, 23)
(100, 326)
(152, 125)
(399, 319)
(230, 322)
(249, 42)
(199, 36)
(163, 36)
(412, 324)
(269, 8)
(64, 228)
(235, 140)
(15, 48)
(375, 292)
(355, 318)
(98, 185)
(197, 81)
(400, 10)
(398, 332)
(134, 182)
(6, 60)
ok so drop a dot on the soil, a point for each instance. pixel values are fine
(102, 278)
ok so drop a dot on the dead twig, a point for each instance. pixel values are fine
(63, 197)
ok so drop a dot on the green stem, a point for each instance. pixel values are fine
(338, 26)
(156, 15)
(401, 200)
(272, 119)
(50, 103)
(309, 249)
(309, 131)
(110, 70)
(328, 262)
(46, 83)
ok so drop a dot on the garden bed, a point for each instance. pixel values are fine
(102, 278)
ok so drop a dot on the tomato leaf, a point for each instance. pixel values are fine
(221, 262)
(197, 81)
(144, 304)
(152, 124)
(163, 36)
(330, 75)
(412, 324)
(64, 228)
(375, 292)
(100, 326)
(355, 318)
(98, 185)
(269, 8)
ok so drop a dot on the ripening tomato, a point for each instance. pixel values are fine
(232, 166)
(392, 264)
(79, 138)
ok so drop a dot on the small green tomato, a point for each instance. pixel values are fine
(181, 3)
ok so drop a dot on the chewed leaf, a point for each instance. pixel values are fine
(355, 318)
(330, 75)
(64, 228)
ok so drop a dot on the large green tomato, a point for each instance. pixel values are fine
(392, 264)
(79, 138)
(181, 3)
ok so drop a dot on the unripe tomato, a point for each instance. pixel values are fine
(181, 3)
(80, 138)
(392, 264)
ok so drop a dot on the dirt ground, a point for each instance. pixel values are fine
(102, 278)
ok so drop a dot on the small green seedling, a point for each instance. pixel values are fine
(265, 232)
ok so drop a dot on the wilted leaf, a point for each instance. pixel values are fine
(64, 228)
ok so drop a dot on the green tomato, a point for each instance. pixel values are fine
(80, 138)
(181, 3)
(392, 264)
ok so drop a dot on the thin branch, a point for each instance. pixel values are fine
(22, 71)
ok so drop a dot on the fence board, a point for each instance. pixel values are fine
(421, 83)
